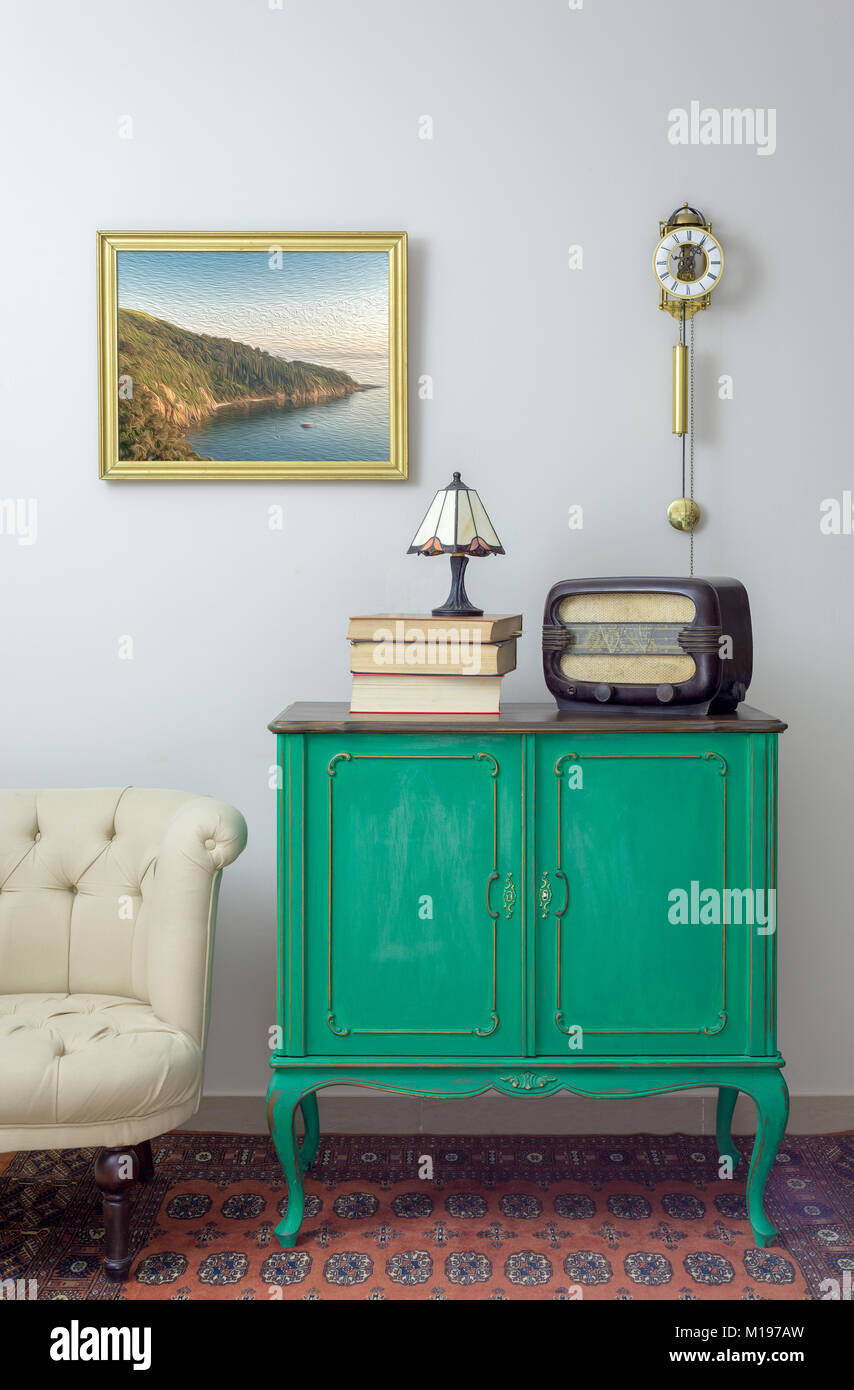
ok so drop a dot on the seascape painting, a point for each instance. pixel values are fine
(275, 361)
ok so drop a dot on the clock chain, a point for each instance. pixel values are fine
(691, 430)
(682, 344)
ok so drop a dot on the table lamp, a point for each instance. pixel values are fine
(456, 524)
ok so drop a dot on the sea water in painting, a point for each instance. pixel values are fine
(249, 356)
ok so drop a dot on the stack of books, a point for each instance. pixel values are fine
(407, 664)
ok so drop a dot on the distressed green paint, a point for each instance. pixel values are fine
(421, 834)
(423, 880)
(641, 816)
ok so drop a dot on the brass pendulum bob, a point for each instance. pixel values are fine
(683, 514)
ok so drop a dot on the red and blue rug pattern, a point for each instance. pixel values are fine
(589, 1217)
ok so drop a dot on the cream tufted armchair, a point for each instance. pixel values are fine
(108, 903)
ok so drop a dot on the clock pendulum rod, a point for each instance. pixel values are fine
(679, 393)
(684, 513)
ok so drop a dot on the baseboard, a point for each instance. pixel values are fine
(345, 1111)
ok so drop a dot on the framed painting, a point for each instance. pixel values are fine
(252, 355)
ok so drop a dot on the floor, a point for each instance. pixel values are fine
(444, 1217)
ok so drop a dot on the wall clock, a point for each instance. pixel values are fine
(688, 265)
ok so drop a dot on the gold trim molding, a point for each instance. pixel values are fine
(711, 759)
(110, 244)
(486, 1030)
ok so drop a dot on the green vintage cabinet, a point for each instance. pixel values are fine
(536, 902)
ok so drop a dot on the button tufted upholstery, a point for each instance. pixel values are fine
(107, 912)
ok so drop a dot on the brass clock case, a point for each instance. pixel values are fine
(682, 306)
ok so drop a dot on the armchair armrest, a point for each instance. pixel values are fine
(201, 838)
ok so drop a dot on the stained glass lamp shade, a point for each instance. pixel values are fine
(456, 524)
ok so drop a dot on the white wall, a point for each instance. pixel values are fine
(551, 388)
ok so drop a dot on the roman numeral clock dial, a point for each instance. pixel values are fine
(688, 265)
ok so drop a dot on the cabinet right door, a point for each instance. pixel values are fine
(650, 895)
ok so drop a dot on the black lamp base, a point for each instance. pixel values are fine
(457, 604)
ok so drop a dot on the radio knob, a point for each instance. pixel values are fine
(664, 693)
(602, 693)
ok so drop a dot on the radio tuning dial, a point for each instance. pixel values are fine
(664, 693)
(603, 693)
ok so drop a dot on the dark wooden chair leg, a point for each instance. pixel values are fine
(146, 1160)
(115, 1170)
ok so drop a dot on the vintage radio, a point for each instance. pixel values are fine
(648, 645)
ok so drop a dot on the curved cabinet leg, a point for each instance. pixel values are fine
(727, 1097)
(308, 1149)
(282, 1103)
(771, 1097)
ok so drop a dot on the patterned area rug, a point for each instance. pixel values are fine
(591, 1217)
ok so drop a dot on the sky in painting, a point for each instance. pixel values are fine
(328, 307)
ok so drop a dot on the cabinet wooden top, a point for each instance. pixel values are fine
(305, 717)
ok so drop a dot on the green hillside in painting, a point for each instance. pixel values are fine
(178, 378)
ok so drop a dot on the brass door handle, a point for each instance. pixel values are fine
(492, 877)
(544, 893)
(560, 874)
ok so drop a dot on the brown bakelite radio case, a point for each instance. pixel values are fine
(646, 646)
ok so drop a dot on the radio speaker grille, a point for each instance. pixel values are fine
(633, 668)
(628, 670)
(627, 608)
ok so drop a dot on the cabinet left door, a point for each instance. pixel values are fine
(405, 935)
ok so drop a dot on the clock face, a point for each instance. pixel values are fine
(688, 262)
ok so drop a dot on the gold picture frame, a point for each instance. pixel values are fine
(113, 466)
